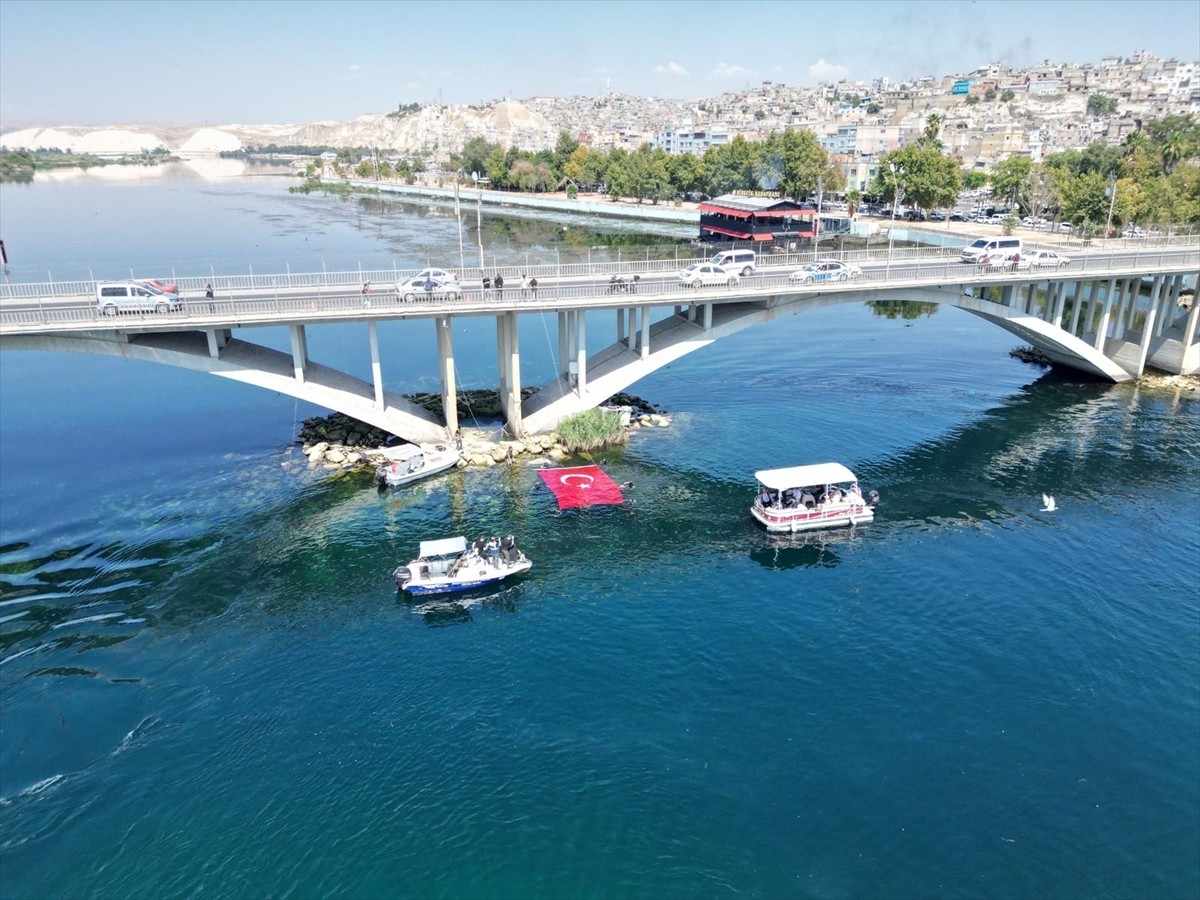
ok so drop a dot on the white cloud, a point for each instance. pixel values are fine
(671, 68)
(353, 67)
(725, 70)
(824, 71)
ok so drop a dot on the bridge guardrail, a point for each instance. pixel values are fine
(341, 303)
(192, 287)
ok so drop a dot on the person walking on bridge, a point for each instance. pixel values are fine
(208, 295)
(499, 286)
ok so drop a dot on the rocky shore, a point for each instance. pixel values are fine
(338, 442)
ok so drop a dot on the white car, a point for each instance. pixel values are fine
(707, 274)
(1064, 227)
(825, 270)
(428, 288)
(1042, 258)
(436, 275)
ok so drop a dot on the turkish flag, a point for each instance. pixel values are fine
(581, 486)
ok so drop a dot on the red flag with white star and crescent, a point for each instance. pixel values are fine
(581, 486)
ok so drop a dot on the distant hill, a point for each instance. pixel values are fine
(436, 130)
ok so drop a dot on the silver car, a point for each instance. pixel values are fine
(426, 288)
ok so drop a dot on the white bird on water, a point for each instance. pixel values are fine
(1048, 504)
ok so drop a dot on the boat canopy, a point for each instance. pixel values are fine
(804, 476)
(444, 547)
(402, 452)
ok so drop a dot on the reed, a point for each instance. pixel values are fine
(590, 429)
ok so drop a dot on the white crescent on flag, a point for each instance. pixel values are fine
(587, 479)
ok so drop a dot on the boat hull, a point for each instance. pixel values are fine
(415, 463)
(478, 576)
(793, 520)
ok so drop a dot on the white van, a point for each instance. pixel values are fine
(743, 262)
(1004, 248)
(131, 296)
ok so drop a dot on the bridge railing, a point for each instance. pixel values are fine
(339, 304)
(342, 281)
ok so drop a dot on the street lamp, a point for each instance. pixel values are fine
(817, 225)
(897, 198)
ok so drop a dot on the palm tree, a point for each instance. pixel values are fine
(933, 127)
(1172, 151)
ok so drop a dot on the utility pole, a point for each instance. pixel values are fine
(1112, 191)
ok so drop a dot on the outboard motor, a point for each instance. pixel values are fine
(401, 576)
(872, 498)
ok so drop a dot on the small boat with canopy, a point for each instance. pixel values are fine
(408, 462)
(449, 564)
(801, 498)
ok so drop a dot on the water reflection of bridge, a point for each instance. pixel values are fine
(1109, 313)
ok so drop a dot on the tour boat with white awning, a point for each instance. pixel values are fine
(448, 565)
(800, 498)
(408, 462)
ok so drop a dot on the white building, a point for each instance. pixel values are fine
(691, 140)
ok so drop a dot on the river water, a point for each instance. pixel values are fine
(208, 684)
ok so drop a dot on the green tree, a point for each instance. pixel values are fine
(1010, 176)
(989, 95)
(929, 178)
(1084, 200)
(496, 167)
(974, 179)
(364, 169)
(933, 130)
(473, 157)
(1006, 96)
(564, 148)
(874, 108)
(1040, 191)
(685, 172)
(1100, 105)
(853, 198)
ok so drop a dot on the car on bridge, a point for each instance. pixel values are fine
(428, 289)
(1045, 258)
(436, 275)
(707, 274)
(825, 270)
(134, 296)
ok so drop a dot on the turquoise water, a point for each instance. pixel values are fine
(208, 684)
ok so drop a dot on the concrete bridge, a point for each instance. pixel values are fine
(1110, 312)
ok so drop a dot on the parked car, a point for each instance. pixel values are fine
(936, 216)
(1064, 227)
(957, 217)
(1132, 231)
(428, 289)
(825, 270)
(1044, 258)
(707, 274)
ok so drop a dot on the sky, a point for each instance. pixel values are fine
(263, 61)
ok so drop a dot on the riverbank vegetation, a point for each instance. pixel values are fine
(20, 165)
(590, 429)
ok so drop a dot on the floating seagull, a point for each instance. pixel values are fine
(1048, 504)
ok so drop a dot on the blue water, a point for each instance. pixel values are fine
(209, 686)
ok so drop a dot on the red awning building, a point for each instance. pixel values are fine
(734, 218)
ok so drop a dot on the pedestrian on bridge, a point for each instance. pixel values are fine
(208, 295)
(533, 287)
(499, 286)
(487, 286)
(524, 285)
(366, 291)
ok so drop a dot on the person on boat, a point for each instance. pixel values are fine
(855, 494)
(509, 546)
(493, 551)
(480, 545)
(807, 499)
(764, 498)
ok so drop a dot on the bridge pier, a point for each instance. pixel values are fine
(1148, 328)
(645, 339)
(299, 350)
(376, 368)
(218, 339)
(580, 351)
(509, 356)
(445, 345)
(1106, 316)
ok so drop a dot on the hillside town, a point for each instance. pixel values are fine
(988, 115)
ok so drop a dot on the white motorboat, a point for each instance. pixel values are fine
(801, 498)
(449, 565)
(408, 462)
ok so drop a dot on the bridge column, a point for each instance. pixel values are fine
(376, 369)
(581, 352)
(502, 360)
(631, 343)
(218, 340)
(1077, 307)
(445, 345)
(564, 343)
(620, 324)
(1148, 328)
(708, 307)
(1060, 303)
(1119, 320)
(645, 332)
(1164, 305)
(299, 350)
(1172, 305)
(511, 399)
(1102, 328)
(1189, 331)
